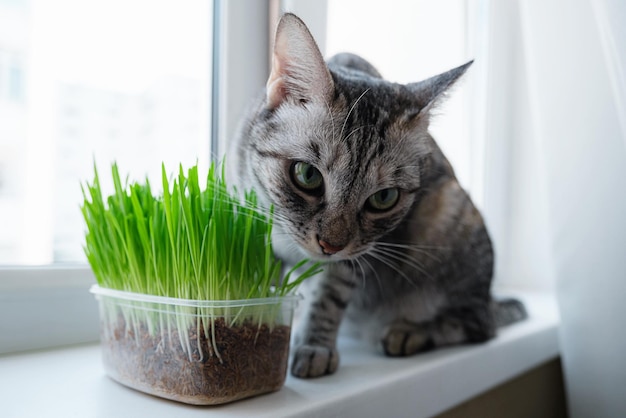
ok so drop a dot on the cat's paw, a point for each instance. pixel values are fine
(405, 339)
(314, 361)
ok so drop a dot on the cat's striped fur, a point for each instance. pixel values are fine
(356, 180)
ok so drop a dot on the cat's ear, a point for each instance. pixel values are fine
(298, 71)
(430, 92)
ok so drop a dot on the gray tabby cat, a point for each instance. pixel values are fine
(356, 180)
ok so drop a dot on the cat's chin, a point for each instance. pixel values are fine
(327, 257)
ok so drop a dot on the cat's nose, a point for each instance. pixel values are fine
(330, 249)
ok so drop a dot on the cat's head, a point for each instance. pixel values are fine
(341, 154)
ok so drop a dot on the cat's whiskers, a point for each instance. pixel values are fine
(286, 237)
(389, 263)
(288, 243)
(254, 213)
(357, 129)
(355, 262)
(376, 276)
(409, 246)
(402, 258)
(345, 121)
(358, 263)
(426, 250)
(282, 219)
(332, 118)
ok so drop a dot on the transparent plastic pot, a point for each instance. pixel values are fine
(192, 351)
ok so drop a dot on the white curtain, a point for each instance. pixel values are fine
(575, 67)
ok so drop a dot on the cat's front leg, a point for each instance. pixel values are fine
(469, 325)
(315, 352)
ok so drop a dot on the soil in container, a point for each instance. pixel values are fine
(251, 359)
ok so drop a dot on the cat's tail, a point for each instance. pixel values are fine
(508, 311)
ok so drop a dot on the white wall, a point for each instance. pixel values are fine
(574, 55)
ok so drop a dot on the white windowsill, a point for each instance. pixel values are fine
(71, 381)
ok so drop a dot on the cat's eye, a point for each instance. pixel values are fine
(306, 177)
(383, 199)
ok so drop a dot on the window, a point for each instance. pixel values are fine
(84, 82)
(130, 81)
(93, 81)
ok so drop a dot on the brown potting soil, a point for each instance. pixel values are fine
(252, 360)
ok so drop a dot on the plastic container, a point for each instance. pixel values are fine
(196, 352)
